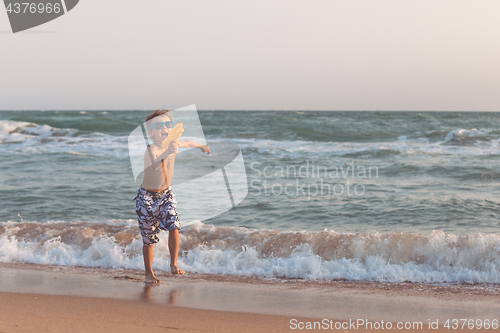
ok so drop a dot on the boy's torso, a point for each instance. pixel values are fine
(159, 179)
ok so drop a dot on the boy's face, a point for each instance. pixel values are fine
(161, 134)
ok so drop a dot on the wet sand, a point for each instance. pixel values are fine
(58, 298)
(54, 313)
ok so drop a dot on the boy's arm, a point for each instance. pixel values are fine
(192, 144)
(151, 155)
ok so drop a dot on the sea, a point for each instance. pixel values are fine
(332, 195)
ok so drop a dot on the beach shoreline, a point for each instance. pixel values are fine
(271, 301)
(440, 291)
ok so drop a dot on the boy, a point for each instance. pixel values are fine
(155, 201)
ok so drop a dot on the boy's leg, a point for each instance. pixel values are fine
(147, 253)
(173, 247)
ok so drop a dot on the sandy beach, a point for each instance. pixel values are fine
(74, 299)
(50, 313)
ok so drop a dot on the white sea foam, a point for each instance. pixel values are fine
(328, 255)
(408, 146)
(25, 137)
(16, 136)
(459, 142)
(463, 135)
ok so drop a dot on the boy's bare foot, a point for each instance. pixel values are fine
(174, 269)
(151, 278)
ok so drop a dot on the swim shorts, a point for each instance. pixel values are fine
(155, 211)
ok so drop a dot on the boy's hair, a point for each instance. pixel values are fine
(157, 113)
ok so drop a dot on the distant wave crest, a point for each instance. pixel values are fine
(26, 137)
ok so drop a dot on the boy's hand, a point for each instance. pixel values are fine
(205, 149)
(173, 147)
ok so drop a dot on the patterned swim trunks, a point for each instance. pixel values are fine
(155, 211)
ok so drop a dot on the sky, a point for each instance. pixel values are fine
(257, 55)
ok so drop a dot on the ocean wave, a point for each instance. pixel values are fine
(18, 136)
(32, 138)
(473, 136)
(327, 255)
(479, 138)
(404, 145)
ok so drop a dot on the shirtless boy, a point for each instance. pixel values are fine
(155, 201)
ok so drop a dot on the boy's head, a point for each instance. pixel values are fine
(156, 127)
(157, 113)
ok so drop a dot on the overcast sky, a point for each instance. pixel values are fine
(261, 55)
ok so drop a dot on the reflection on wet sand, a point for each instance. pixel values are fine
(390, 302)
(173, 296)
(146, 292)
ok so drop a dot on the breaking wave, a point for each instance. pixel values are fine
(327, 255)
